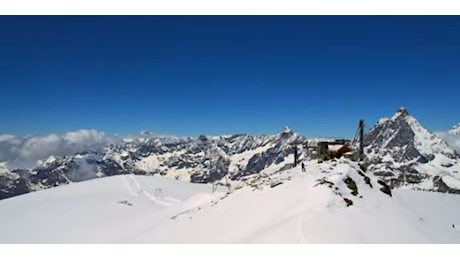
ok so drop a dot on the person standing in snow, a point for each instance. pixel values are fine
(303, 167)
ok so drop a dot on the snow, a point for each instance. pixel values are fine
(287, 129)
(153, 162)
(90, 212)
(455, 130)
(451, 182)
(48, 161)
(242, 159)
(450, 138)
(4, 170)
(334, 148)
(436, 166)
(426, 142)
(183, 174)
(387, 158)
(383, 120)
(132, 209)
(276, 167)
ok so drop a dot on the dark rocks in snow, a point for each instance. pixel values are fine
(273, 155)
(111, 168)
(385, 188)
(125, 202)
(351, 184)
(151, 146)
(348, 201)
(403, 111)
(384, 174)
(447, 165)
(368, 181)
(216, 173)
(442, 187)
(287, 166)
(10, 188)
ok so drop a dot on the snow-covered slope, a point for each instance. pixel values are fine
(405, 153)
(284, 207)
(228, 157)
(455, 130)
(98, 211)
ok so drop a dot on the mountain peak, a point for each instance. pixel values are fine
(145, 132)
(455, 129)
(399, 145)
(402, 111)
(287, 129)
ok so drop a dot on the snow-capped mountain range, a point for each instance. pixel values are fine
(398, 150)
(202, 159)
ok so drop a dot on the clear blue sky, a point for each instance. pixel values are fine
(191, 75)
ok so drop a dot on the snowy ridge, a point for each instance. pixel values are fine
(332, 202)
(428, 143)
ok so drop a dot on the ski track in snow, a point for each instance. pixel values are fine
(141, 190)
(129, 185)
(298, 229)
(136, 189)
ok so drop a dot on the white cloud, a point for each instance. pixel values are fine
(6, 138)
(87, 137)
(451, 139)
(32, 148)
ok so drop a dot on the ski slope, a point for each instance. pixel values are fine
(130, 209)
(91, 212)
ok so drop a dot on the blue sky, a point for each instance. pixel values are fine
(191, 75)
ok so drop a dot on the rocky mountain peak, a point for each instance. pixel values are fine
(403, 151)
(402, 112)
(455, 130)
(286, 134)
(287, 129)
(145, 132)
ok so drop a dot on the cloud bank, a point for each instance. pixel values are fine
(451, 139)
(33, 148)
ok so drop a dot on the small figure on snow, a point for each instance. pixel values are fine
(303, 167)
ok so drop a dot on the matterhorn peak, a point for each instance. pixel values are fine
(287, 129)
(396, 146)
(402, 111)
